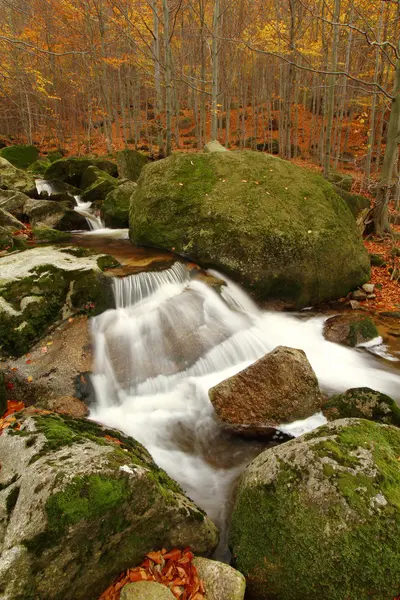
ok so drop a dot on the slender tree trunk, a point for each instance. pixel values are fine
(214, 53)
(331, 92)
(168, 81)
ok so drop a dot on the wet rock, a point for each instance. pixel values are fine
(63, 282)
(71, 496)
(221, 581)
(359, 295)
(71, 169)
(13, 202)
(49, 235)
(321, 514)
(20, 156)
(9, 222)
(368, 288)
(115, 208)
(55, 215)
(68, 405)
(363, 403)
(102, 184)
(214, 146)
(350, 329)
(15, 179)
(279, 388)
(146, 590)
(218, 209)
(130, 164)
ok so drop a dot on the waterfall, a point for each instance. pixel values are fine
(170, 339)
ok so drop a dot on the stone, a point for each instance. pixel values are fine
(80, 503)
(371, 296)
(359, 295)
(54, 215)
(350, 329)
(65, 284)
(15, 179)
(115, 208)
(319, 516)
(341, 180)
(221, 581)
(356, 203)
(146, 590)
(354, 304)
(71, 169)
(48, 235)
(377, 261)
(363, 403)
(7, 220)
(97, 184)
(256, 217)
(39, 166)
(13, 202)
(214, 146)
(6, 239)
(68, 405)
(130, 164)
(368, 288)
(279, 388)
(20, 156)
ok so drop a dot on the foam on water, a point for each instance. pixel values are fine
(170, 340)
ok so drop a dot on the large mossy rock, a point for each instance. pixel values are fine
(39, 166)
(319, 516)
(72, 169)
(350, 329)
(277, 228)
(130, 164)
(363, 403)
(13, 202)
(355, 202)
(42, 285)
(20, 156)
(115, 208)
(96, 184)
(79, 504)
(15, 179)
(279, 388)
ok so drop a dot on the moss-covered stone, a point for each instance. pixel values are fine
(130, 163)
(15, 179)
(377, 261)
(319, 523)
(49, 235)
(363, 403)
(20, 156)
(39, 166)
(71, 169)
(350, 329)
(355, 202)
(97, 184)
(294, 238)
(341, 180)
(115, 209)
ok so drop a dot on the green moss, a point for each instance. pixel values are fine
(39, 166)
(49, 235)
(20, 156)
(130, 163)
(377, 261)
(107, 262)
(364, 329)
(355, 202)
(284, 537)
(341, 180)
(115, 209)
(71, 169)
(363, 403)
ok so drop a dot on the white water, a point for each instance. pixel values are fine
(170, 340)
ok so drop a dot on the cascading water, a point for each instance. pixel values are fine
(170, 339)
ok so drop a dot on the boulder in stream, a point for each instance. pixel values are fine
(279, 388)
(130, 163)
(350, 329)
(363, 403)
(97, 184)
(319, 516)
(56, 215)
(42, 285)
(71, 169)
(279, 229)
(15, 179)
(115, 208)
(79, 504)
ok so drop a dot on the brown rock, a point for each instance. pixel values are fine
(68, 405)
(279, 388)
(350, 329)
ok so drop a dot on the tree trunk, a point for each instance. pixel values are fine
(331, 92)
(214, 52)
(168, 81)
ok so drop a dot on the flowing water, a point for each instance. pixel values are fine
(170, 339)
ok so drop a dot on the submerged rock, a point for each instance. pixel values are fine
(15, 179)
(146, 590)
(130, 163)
(71, 169)
(115, 208)
(363, 403)
(279, 388)
(350, 329)
(79, 504)
(221, 581)
(280, 230)
(62, 284)
(319, 516)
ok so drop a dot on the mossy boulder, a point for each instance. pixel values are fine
(8, 221)
(81, 503)
(341, 180)
(39, 166)
(20, 156)
(15, 179)
(363, 403)
(355, 202)
(71, 169)
(377, 260)
(97, 184)
(13, 202)
(49, 235)
(130, 164)
(57, 284)
(277, 228)
(319, 516)
(115, 208)
(350, 329)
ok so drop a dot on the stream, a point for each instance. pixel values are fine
(172, 337)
